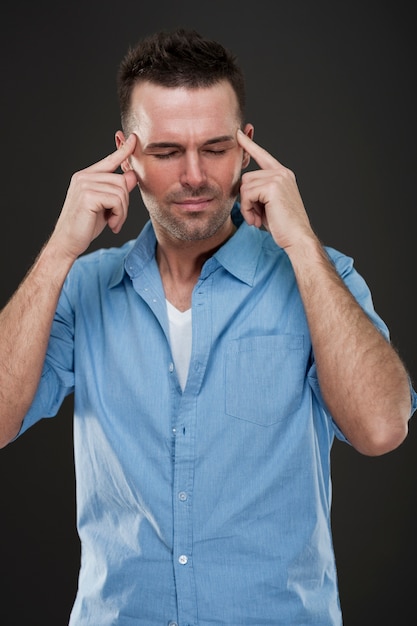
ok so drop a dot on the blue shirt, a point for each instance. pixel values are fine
(212, 505)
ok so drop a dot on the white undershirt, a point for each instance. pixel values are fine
(180, 333)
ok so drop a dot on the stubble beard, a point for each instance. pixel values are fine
(193, 226)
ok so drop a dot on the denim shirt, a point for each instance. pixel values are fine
(209, 505)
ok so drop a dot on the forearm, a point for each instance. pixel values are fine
(96, 197)
(362, 379)
(25, 324)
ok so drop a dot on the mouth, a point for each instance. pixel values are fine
(194, 204)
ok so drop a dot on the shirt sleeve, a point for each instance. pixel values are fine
(361, 292)
(57, 380)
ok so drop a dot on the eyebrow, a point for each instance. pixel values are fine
(173, 144)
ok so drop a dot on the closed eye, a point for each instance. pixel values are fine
(215, 152)
(174, 153)
(166, 155)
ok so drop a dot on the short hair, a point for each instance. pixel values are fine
(181, 58)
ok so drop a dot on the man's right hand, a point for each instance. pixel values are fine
(96, 197)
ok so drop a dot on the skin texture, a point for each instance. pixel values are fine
(186, 152)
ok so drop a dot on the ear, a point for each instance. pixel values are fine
(120, 140)
(249, 131)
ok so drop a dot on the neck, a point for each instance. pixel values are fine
(180, 263)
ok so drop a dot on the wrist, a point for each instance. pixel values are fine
(306, 250)
(53, 262)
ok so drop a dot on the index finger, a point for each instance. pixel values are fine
(262, 157)
(112, 161)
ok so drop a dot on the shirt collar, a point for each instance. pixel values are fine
(140, 252)
(239, 255)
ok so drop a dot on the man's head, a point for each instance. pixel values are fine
(182, 96)
(179, 59)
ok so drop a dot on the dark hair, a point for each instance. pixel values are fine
(182, 58)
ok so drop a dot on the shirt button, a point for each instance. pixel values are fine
(183, 559)
(172, 624)
(171, 367)
(182, 496)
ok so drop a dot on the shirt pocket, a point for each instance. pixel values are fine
(265, 377)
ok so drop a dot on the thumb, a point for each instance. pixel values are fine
(131, 179)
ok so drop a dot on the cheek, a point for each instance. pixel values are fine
(235, 173)
(236, 179)
(150, 176)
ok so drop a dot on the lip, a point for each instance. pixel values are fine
(194, 204)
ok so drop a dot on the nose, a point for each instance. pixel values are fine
(193, 173)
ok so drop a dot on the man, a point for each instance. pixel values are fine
(213, 361)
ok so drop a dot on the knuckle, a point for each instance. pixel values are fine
(75, 178)
(79, 179)
(289, 173)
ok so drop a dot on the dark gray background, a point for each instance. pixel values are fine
(331, 94)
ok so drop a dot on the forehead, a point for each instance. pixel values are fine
(157, 110)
